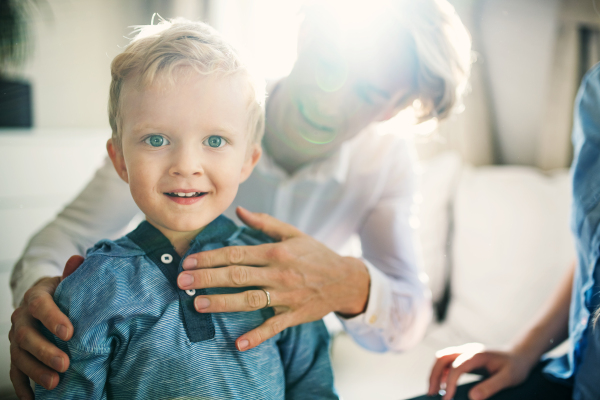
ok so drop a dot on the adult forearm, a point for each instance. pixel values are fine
(44, 256)
(551, 326)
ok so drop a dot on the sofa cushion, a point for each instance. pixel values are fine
(511, 247)
(439, 177)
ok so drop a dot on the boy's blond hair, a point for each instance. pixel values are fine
(158, 50)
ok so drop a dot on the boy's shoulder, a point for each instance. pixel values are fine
(248, 237)
(107, 264)
(105, 257)
(122, 247)
(223, 232)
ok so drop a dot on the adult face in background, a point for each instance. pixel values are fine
(343, 80)
(351, 72)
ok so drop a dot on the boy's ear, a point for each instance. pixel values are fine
(251, 160)
(116, 156)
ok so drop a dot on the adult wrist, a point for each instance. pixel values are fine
(529, 353)
(360, 280)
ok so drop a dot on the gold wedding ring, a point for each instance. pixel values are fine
(268, 298)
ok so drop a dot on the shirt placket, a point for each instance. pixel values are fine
(198, 326)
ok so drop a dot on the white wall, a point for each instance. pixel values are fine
(517, 38)
(74, 44)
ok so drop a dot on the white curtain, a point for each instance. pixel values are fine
(577, 49)
(542, 48)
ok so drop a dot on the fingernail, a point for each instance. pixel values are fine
(189, 263)
(46, 380)
(202, 303)
(62, 332)
(243, 344)
(185, 280)
(57, 363)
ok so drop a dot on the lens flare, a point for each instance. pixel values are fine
(332, 78)
(355, 15)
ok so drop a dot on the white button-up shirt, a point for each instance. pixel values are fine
(365, 188)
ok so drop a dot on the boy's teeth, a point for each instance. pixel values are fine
(181, 194)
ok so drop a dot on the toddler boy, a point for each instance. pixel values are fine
(187, 119)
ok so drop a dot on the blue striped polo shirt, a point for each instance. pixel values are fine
(138, 336)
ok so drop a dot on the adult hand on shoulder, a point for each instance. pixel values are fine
(31, 354)
(506, 369)
(305, 279)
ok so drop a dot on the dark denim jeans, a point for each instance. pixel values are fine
(536, 387)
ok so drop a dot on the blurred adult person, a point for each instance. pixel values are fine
(325, 175)
(572, 312)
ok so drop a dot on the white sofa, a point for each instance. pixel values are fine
(499, 234)
(499, 237)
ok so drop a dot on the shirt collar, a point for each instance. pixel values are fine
(149, 238)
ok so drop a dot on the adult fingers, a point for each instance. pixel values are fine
(231, 255)
(23, 363)
(233, 276)
(20, 382)
(40, 304)
(460, 367)
(267, 330)
(26, 339)
(490, 386)
(72, 264)
(441, 365)
(269, 225)
(249, 300)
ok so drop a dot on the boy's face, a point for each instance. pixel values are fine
(185, 148)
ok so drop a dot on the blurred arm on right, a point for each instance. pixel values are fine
(506, 368)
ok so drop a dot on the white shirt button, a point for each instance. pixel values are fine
(191, 292)
(166, 258)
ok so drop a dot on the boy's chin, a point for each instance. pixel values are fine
(181, 227)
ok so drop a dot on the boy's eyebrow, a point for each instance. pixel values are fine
(142, 126)
(227, 132)
(219, 130)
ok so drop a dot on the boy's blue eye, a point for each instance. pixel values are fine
(156, 141)
(215, 141)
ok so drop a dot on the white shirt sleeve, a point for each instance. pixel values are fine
(399, 306)
(102, 210)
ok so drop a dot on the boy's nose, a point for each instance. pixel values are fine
(186, 163)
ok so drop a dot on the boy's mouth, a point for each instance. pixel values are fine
(182, 194)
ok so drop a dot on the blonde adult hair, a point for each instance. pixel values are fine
(436, 42)
(442, 47)
(157, 51)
